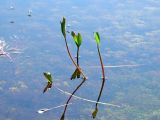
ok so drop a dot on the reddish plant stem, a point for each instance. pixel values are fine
(103, 76)
(84, 77)
(63, 115)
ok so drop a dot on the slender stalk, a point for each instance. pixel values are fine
(77, 56)
(63, 115)
(103, 76)
(77, 65)
(73, 60)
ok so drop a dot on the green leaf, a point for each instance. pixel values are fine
(77, 38)
(94, 114)
(97, 37)
(63, 27)
(76, 74)
(48, 76)
(74, 37)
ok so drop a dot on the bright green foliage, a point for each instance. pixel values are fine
(48, 76)
(77, 38)
(97, 37)
(74, 36)
(63, 27)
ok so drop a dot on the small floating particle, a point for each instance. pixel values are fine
(11, 8)
(11, 21)
(68, 25)
(41, 111)
(78, 56)
(29, 13)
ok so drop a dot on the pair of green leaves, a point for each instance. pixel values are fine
(77, 38)
(76, 74)
(48, 77)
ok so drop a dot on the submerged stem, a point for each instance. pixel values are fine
(63, 115)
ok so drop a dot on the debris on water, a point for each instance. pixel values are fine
(68, 28)
(88, 100)
(78, 56)
(6, 50)
(41, 111)
(2, 46)
(68, 25)
(11, 7)
(11, 21)
(29, 13)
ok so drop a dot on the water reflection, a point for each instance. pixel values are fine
(125, 27)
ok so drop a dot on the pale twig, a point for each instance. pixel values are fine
(116, 66)
(5, 50)
(84, 99)
(43, 110)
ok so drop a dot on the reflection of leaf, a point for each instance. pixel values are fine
(48, 86)
(76, 74)
(63, 27)
(97, 37)
(94, 114)
(48, 76)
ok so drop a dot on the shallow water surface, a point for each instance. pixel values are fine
(130, 45)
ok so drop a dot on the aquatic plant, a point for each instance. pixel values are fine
(48, 77)
(63, 30)
(97, 38)
(77, 73)
(78, 40)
